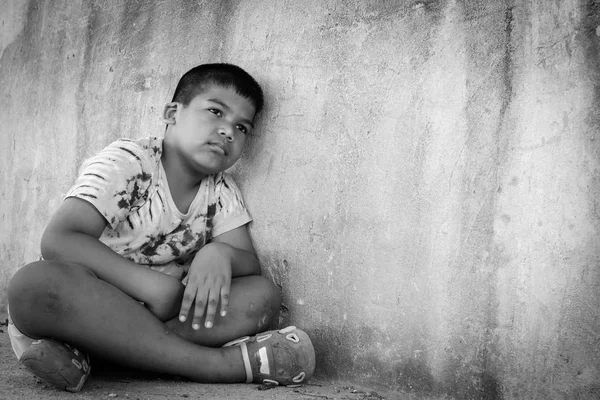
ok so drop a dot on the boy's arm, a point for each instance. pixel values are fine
(238, 245)
(72, 236)
(228, 255)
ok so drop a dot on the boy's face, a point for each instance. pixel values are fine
(210, 133)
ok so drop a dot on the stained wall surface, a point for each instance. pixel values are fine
(424, 181)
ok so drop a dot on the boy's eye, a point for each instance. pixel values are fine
(242, 129)
(215, 111)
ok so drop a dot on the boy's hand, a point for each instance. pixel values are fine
(209, 280)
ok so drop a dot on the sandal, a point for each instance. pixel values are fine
(57, 364)
(280, 357)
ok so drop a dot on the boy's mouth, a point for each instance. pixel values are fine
(218, 148)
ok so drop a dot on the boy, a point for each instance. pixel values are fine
(148, 245)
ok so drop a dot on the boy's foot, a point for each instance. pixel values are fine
(57, 364)
(281, 357)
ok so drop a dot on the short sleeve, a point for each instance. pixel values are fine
(230, 210)
(115, 181)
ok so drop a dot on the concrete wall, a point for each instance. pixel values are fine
(425, 178)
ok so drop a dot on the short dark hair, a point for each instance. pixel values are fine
(222, 74)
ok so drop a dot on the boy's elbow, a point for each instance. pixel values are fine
(54, 243)
(49, 245)
(256, 270)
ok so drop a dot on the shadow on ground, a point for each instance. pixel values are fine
(110, 382)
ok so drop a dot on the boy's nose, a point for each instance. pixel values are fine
(227, 131)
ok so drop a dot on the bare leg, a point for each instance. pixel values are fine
(67, 302)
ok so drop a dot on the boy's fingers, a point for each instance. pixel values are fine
(188, 298)
(199, 307)
(211, 308)
(224, 300)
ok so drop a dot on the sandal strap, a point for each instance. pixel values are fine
(247, 365)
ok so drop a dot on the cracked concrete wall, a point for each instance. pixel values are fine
(424, 180)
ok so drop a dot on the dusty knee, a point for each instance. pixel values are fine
(264, 303)
(272, 296)
(39, 287)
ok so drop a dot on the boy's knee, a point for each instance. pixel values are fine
(40, 286)
(30, 283)
(264, 306)
(272, 294)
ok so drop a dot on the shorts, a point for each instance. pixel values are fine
(19, 341)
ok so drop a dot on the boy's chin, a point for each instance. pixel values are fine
(212, 170)
(214, 165)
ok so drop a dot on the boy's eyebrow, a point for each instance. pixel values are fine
(226, 107)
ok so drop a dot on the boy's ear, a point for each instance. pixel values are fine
(169, 113)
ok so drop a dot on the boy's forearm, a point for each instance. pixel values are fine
(142, 283)
(243, 263)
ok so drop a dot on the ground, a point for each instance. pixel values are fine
(110, 383)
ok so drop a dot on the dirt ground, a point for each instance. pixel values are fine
(109, 383)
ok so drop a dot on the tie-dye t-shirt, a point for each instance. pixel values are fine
(127, 184)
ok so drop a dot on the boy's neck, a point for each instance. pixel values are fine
(177, 171)
(182, 185)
